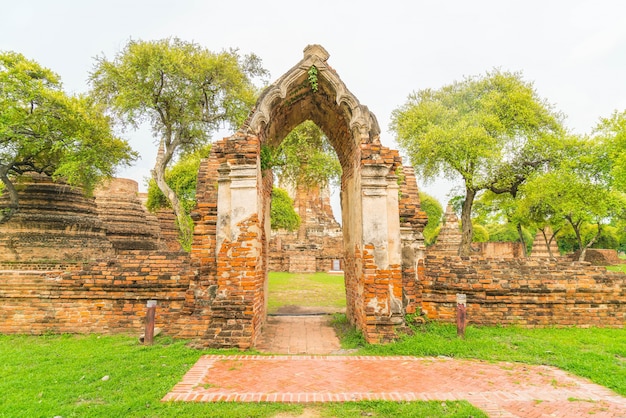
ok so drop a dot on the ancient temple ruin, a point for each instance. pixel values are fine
(232, 219)
(76, 264)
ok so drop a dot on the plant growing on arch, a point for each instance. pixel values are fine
(492, 131)
(183, 90)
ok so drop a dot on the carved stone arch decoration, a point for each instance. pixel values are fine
(288, 90)
(232, 217)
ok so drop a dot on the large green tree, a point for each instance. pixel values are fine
(611, 132)
(577, 192)
(45, 130)
(493, 131)
(183, 90)
(282, 214)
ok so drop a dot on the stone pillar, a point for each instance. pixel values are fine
(382, 275)
(238, 253)
(237, 199)
(375, 217)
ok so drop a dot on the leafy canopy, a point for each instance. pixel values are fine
(45, 130)
(611, 132)
(577, 192)
(491, 131)
(305, 158)
(184, 91)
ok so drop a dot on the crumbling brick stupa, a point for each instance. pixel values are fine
(55, 222)
(59, 223)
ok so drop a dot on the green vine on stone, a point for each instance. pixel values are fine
(313, 77)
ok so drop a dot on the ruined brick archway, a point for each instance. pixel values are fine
(232, 217)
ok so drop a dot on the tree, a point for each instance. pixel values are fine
(611, 132)
(185, 91)
(283, 215)
(500, 212)
(492, 131)
(576, 193)
(434, 211)
(305, 158)
(44, 130)
(182, 178)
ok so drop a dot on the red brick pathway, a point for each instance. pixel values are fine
(499, 389)
(298, 335)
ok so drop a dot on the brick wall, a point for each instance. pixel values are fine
(100, 297)
(523, 292)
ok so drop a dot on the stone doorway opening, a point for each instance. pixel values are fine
(300, 255)
(232, 235)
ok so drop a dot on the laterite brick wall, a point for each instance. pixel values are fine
(101, 297)
(522, 292)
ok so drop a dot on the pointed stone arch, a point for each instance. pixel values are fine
(232, 218)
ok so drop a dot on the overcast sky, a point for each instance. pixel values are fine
(574, 51)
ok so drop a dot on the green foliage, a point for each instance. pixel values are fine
(434, 211)
(183, 90)
(269, 158)
(282, 214)
(506, 232)
(306, 158)
(492, 131)
(312, 77)
(611, 132)
(577, 192)
(480, 233)
(568, 241)
(45, 130)
(182, 178)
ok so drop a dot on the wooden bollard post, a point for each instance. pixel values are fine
(150, 314)
(461, 301)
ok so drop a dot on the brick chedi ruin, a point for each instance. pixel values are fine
(68, 267)
(318, 243)
(449, 239)
(129, 226)
(55, 223)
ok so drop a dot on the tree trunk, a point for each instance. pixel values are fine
(14, 205)
(583, 250)
(579, 239)
(521, 239)
(466, 220)
(301, 197)
(185, 229)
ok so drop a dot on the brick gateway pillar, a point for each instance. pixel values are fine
(232, 230)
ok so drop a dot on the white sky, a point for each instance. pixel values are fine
(574, 51)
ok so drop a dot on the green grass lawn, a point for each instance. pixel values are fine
(619, 267)
(62, 375)
(322, 290)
